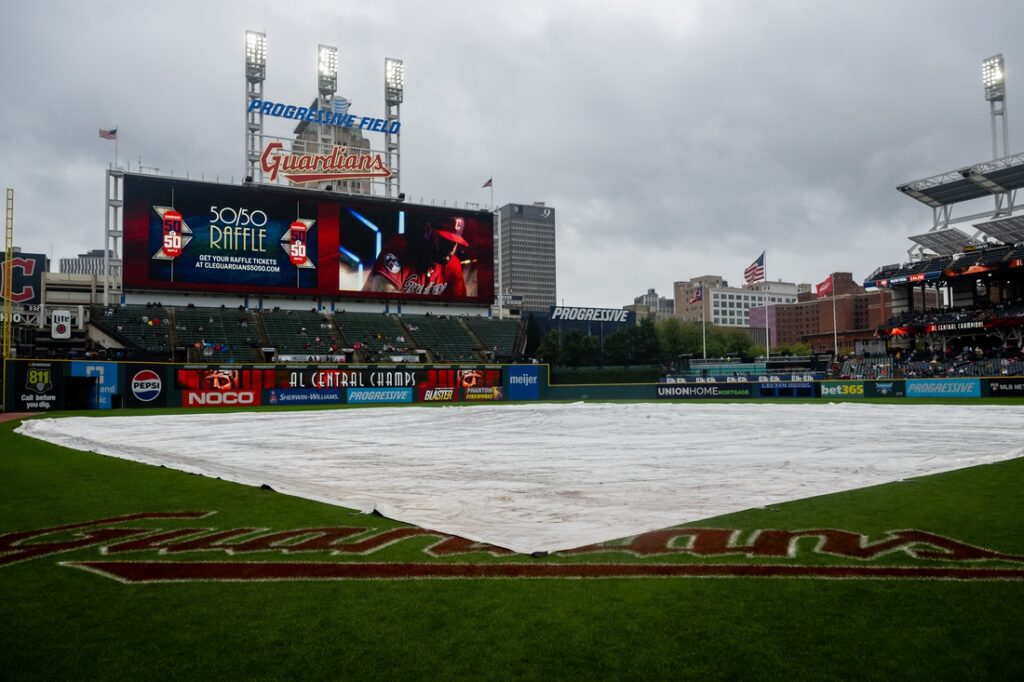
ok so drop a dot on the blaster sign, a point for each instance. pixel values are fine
(297, 245)
(172, 234)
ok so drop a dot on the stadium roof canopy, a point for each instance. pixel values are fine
(1007, 230)
(971, 182)
(943, 242)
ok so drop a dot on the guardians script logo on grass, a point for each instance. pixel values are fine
(132, 549)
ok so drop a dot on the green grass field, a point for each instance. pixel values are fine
(61, 622)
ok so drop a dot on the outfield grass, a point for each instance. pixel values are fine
(59, 622)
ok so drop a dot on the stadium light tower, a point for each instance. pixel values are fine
(255, 74)
(327, 70)
(993, 77)
(327, 85)
(394, 94)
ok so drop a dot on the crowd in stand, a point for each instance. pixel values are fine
(922, 318)
(969, 361)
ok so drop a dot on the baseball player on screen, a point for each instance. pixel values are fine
(422, 263)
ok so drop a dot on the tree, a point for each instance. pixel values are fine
(618, 348)
(533, 336)
(574, 349)
(645, 348)
(671, 338)
(550, 348)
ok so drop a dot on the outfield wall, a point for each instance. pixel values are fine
(42, 385)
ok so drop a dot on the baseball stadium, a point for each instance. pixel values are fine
(298, 429)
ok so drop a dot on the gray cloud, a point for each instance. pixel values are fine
(675, 139)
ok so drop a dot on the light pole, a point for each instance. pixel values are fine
(326, 86)
(994, 80)
(394, 93)
(255, 74)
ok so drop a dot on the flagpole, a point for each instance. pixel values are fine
(835, 331)
(116, 140)
(767, 333)
(703, 323)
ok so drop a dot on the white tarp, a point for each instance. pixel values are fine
(547, 477)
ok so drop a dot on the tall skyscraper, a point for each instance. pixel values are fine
(527, 243)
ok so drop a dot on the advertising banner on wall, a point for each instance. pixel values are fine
(1006, 388)
(786, 389)
(842, 389)
(896, 388)
(722, 391)
(302, 396)
(589, 321)
(524, 382)
(377, 396)
(145, 386)
(106, 375)
(26, 278)
(36, 386)
(222, 387)
(240, 386)
(944, 388)
(197, 236)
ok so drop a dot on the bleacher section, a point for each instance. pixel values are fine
(143, 328)
(239, 335)
(990, 256)
(374, 336)
(446, 338)
(300, 332)
(867, 368)
(498, 336)
(217, 334)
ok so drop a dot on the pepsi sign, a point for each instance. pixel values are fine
(146, 385)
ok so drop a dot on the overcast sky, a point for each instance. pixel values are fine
(674, 139)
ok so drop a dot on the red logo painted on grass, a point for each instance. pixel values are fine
(778, 553)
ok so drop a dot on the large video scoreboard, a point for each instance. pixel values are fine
(183, 235)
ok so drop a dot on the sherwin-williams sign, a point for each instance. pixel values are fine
(944, 388)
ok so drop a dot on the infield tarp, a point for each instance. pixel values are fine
(549, 477)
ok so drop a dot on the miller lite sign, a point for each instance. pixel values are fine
(60, 324)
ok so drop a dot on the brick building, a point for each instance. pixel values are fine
(858, 314)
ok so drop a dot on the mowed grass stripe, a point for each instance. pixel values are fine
(63, 623)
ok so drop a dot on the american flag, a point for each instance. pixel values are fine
(489, 183)
(698, 295)
(108, 134)
(755, 271)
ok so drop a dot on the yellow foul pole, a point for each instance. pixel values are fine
(8, 267)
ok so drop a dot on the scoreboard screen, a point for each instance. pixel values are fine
(183, 235)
